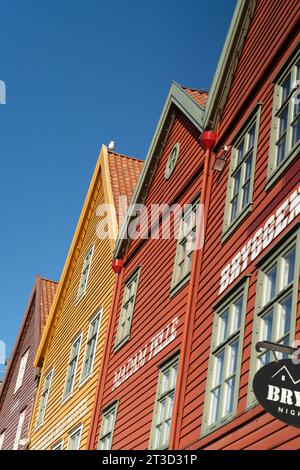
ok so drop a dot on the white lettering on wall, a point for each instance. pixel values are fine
(159, 342)
(262, 238)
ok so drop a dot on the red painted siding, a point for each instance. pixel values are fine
(154, 308)
(271, 38)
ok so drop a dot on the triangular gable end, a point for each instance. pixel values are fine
(185, 100)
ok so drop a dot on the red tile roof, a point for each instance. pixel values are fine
(124, 173)
(47, 290)
(200, 96)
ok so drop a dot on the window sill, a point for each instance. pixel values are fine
(180, 285)
(67, 398)
(278, 172)
(211, 429)
(227, 232)
(119, 345)
(83, 381)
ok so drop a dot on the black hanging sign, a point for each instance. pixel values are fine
(277, 388)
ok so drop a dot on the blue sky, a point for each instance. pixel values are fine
(79, 74)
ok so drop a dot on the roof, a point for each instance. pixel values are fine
(228, 61)
(118, 174)
(124, 173)
(200, 96)
(47, 293)
(191, 103)
(42, 293)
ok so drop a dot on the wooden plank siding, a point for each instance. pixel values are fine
(74, 318)
(71, 317)
(154, 308)
(13, 403)
(271, 38)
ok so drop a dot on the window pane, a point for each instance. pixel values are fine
(281, 150)
(234, 206)
(223, 326)
(270, 284)
(236, 179)
(286, 88)
(229, 394)
(237, 314)
(214, 406)
(296, 131)
(283, 121)
(251, 137)
(248, 168)
(289, 267)
(240, 152)
(246, 194)
(267, 324)
(233, 350)
(285, 311)
(218, 369)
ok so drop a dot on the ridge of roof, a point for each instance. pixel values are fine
(122, 155)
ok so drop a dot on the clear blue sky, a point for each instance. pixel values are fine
(79, 74)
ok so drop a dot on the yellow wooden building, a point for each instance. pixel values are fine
(71, 347)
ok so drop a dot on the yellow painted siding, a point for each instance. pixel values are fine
(70, 319)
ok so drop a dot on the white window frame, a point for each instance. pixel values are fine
(22, 370)
(68, 394)
(178, 282)
(123, 334)
(2, 437)
(84, 277)
(73, 433)
(160, 396)
(225, 306)
(242, 138)
(104, 434)
(261, 309)
(85, 376)
(59, 445)
(19, 430)
(43, 406)
(275, 169)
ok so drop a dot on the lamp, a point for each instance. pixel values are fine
(220, 160)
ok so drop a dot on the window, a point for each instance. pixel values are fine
(44, 399)
(75, 438)
(163, 408)
(107, 427)
(285, 134)
(276, 300)
(85, 274)
(172, 160)
(21, 372)
(2, 440)
(241, 172)
(128, 302)
(72, 366)
(19, 430)
(58, 446)
(185, 246)
(91, 346)
(225, 358)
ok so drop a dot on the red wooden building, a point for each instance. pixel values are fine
(18, 390)
(149, 306)
(180, 354)
(249, 283)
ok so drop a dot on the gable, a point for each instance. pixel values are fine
(180, 100)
